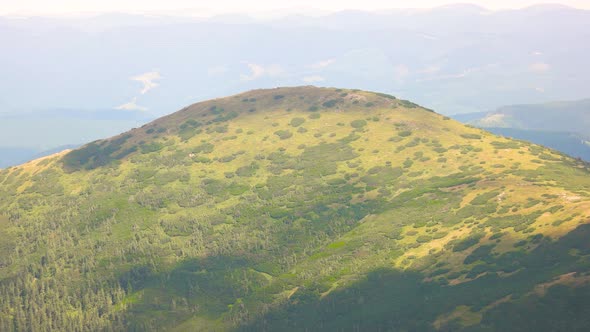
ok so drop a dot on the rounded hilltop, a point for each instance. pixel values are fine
(310, 98)
(193, 119)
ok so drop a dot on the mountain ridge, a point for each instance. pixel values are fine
(573, 116)
(561, 125)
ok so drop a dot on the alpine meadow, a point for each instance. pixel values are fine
(297, 209)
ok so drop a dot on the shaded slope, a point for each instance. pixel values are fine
(390, 299)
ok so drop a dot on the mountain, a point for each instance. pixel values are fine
(297, 209)
(562, 116)
(559, 125)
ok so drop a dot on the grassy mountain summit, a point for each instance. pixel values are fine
(297, 209)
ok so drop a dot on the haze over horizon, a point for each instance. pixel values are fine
(256, 8)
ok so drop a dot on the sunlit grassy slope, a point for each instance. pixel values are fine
(297, 209)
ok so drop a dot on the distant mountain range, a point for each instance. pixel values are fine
(454, 59)
(564, 125)
(569, 143)
(28, 135)
(12, 156)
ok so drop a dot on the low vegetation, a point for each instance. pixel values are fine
(297, 209)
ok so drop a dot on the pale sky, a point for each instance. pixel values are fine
(56, 7)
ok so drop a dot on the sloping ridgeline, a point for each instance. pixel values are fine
(297, 209)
